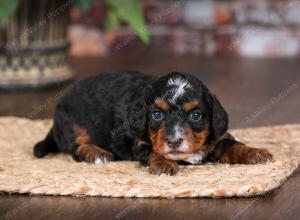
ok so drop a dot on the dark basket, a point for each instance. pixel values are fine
(33, 45)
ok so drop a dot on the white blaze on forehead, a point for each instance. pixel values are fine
(180, 85)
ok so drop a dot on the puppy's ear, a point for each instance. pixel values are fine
(138, 111)
(219, 117)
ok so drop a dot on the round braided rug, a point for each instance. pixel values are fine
(21, 172)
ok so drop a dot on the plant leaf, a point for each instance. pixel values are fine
(130, 11)
(84, 5)
(111, 21)
(7, 9)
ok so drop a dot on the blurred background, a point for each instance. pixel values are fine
(245, 28)
(245, 51)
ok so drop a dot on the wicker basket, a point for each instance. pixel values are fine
(33, 45)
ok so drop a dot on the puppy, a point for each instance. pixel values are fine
(159, 122)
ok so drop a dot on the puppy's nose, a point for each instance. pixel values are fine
(174, 143)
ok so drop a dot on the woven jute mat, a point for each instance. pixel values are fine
(58, 174)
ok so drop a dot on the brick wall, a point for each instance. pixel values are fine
(250, 28)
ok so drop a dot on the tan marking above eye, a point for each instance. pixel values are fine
(188, 106)
(162, 104)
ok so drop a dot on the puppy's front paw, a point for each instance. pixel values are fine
(159, 165)
(93, 154)
(103, 157)
(254, 156)
(166, 168)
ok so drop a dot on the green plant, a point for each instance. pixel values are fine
(7, 9)
(127, 11)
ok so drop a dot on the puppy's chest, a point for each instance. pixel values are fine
(200, 156)
(196, 158)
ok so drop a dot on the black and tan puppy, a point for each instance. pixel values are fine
(159, 122)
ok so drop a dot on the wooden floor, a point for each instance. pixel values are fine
(254, 92)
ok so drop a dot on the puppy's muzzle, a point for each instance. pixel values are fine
(174, 143)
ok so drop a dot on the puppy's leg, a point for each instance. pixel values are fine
(86, 150)
(141, 151)
(231, 151)
(93, 154)
(159, 165)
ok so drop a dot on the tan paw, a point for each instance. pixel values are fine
(168, 167)
(93, 154)
(103, 157)
(254, 156)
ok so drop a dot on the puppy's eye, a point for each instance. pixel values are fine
(158, 115)
(195, 116)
